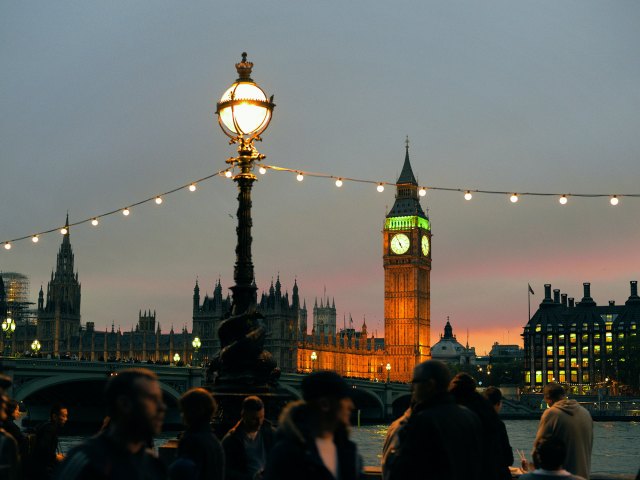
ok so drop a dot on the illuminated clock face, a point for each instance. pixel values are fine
(425, 245)
(400, 243)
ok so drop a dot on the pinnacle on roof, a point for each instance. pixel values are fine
(406, 176)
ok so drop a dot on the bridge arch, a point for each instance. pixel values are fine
(369, 402)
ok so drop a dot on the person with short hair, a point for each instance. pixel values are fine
(9, 450)
(505, 452)
(313, 437)
(198, 444)
(46, 451)
(568, 421)
(13, 413)
(441, 440)
(136, 409)
(248, 444)
(548, 457)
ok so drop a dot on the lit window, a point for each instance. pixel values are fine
(549, 351)
(585, 326)
(609, 337)
(585, 350)
(596, 349)
(596, 337)
(574, 363)
(585, 377)
(609, 349)
(527, 377)
(585, 363)
(574, 351)
(561, 337)
(550, 364)
(572, 338)
(574, 376)
(538, 327)
(633, 326)
(538, 376)
(561, 350)
(550, 377)
(621, 335)
(608, 326)
(561, 362)
(585, 338)
(562, 377)
(550, 338)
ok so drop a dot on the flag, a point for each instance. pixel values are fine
(531, 290)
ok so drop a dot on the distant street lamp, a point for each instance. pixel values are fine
(35, 347)
(8, 327)
(388, 367)
(244, 112)
(314, 357)
(176, 358)
(196, 343)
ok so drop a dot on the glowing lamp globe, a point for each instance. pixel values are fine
(244, 111)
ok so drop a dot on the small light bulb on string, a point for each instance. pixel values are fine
(64, 230)
(158, 200)
(7, 246)
(35, 239)
(94, 222)
(380, 188)
(339, 182)
(262, 170)
(467, 195)
(192, 187)
(126, 212)
(422, 192)
(300, 177)
(563, 200)
(614, 200)
(514, 198)
(228, 174)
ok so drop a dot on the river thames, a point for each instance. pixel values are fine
(615, 450)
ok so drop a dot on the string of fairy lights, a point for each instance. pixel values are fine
(468, 193)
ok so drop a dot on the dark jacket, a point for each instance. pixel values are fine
(235, 456)
(44, 460)
(21, 439)
(440, 441)
(295, 455)
(101, 458)
(497, 456)
(202, 447)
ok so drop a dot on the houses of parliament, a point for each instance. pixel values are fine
(406, 260)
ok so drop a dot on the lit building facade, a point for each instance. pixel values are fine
(580, 345)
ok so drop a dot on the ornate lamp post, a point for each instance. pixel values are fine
(176, 358)
(244, 112)
(35, 347)
(196, 344)
(314, 357)
(388, 367)
(8, 327)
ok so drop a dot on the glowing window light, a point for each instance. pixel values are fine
(614, 200)
(35, 239)
(228, 174)
(339, 182)
(94, 222)
(422, 192)
(126, 212)
(467, 195)
(262, 170)
(64, 230)
(300, 177)
(192, 187)
(563, 200)
(514, 198)
(380, 188)
(158, 200)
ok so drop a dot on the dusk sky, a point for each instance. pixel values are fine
(103, 104)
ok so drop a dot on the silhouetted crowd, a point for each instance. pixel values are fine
(450, 432)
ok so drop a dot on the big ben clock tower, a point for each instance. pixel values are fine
(406, 251)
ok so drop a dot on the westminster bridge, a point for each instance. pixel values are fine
(40, 382)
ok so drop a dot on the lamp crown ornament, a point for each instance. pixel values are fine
(244, 69)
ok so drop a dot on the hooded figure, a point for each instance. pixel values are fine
(567, 421)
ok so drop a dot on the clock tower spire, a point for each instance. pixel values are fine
(406, 253)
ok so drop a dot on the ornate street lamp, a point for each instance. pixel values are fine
(314, 357)
(388, 367)
(8, 327)
(244, 112)
(35, 347)
(176, 358)
(196, 344)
